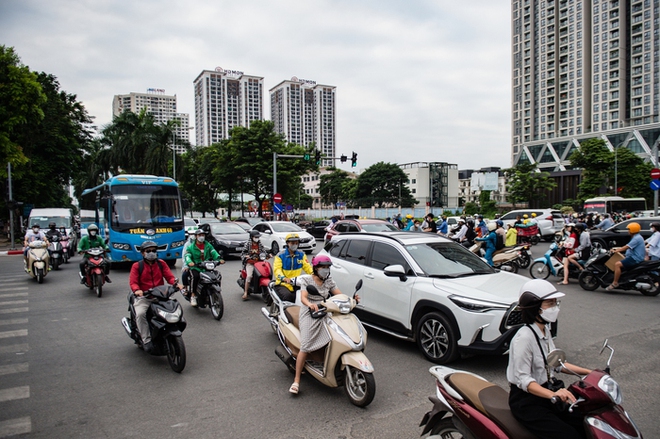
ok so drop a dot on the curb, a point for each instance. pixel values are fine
(11, 252)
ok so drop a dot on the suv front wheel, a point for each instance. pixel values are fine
(436, 338)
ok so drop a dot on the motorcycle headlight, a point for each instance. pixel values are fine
(170, 317)
(611, 387)
(474, 305)
(209, 265)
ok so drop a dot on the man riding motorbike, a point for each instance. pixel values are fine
(35, 234)
(144, 276)
(635, 254)
(90, 241)
(250, 254)
(288, 264)
(197, 252)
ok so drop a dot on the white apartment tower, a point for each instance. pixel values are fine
(583, 68)
(304, 112)
(225, 99)
(161, 106)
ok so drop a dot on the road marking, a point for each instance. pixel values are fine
(13, 368)
(12, 286)
(14, 310)
(14, 322)
(2, 296)
(14, 393)
(14, 427)
(17, 333)
(14, 302)
(14, 348)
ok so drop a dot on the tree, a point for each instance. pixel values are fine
(384, 184)
(595, 160)
(333, 187)
(525, 184)
(196, 179)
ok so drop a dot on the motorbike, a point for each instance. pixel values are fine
(552, 262)
(505, 261)
(94, 273)
(468, 406)
(38, 260)
(64, 241)
(340, 363)
(166, 323)
(55, 251)
(644, 277)
(263, 274)
(207, 290)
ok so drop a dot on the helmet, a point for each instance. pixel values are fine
(200, 231)
(321, 260)
(409, 216)
(292, 237)
(35, 225)
(634, 228)
(491, 226)
(500, 223)
(52, 225)
(533, 215)
(480, 216)
(254, 234)
(206, 228)
(148, 244)
(525, 216)
(91, 228)
(570, 225)
(531, 294)
(656, 226)
(580, 226)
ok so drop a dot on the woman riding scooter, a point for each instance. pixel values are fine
(532, 381)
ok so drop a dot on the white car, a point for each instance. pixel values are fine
(273, 235)
(426, 288)
(189, 225)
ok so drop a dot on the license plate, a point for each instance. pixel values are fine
(239, 249)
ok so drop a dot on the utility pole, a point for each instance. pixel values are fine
(11, 208)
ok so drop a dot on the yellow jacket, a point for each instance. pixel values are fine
(287, 265)
(511, 237)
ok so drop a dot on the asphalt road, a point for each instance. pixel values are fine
(68, 369)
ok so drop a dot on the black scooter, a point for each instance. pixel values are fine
(166, 323)
(208, 290)
(644, 277)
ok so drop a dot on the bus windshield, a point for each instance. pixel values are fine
(145, 205)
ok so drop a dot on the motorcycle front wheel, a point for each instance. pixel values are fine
(524, 261)
(40, 275)
(56, 263)
(539, 270)
(588, 281)
(217, 304)
(360, 386)
(176, 353)
(98, 284)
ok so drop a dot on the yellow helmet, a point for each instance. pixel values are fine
(634, 228)
(533, 215)
(292, 237)
(525, 216)
(409, 216)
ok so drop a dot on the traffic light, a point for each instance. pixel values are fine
(354, 160)
(318, 157)
(343, 158)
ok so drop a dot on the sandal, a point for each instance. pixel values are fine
(562, 283)
(611, 287)
(245, 298)
(294, 388)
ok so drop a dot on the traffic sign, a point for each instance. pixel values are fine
(655, 173)
(655, 185)
(277, 198)
(277, 208)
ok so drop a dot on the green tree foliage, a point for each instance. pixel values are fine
(334, 187)
(525, 184)
(21, 105)
(595, 160)
(384, 184)
(197, 180)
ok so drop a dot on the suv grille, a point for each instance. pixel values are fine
(513, 318)
(305, 239)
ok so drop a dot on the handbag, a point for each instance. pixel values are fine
(553, 384)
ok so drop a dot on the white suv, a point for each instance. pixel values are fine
(428, 289)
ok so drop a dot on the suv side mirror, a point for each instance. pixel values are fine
(396, 271)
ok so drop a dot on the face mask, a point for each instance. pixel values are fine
(92, 233)
(293, 247)
(201, 238)
(255, 240)
(550, 314)
(150, 256)
(323, 273)
(35, 230)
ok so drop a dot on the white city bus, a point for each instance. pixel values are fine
(614, 204)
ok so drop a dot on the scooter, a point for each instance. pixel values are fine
(505, 261)
(64, 241)
(94, 273)
(342, 361)
(552, 262)
(262, 276)
(207, 290)
(644, 277)
(38, 260)
(55, 250)
(469, 406)
(166, 323)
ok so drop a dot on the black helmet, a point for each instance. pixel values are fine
(656, 226)
(52, 225)
(580, 226)
(254, 234)
(206, 228)
(148, 244)
(201, 230)
(532, 293)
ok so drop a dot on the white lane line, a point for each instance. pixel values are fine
(6, 295)
(17, 333)
(14, 348)
(13, 286)
(14, 393)
(14, 427)
(14, 310)
(14, 322)
(13, 368)
(14, 302)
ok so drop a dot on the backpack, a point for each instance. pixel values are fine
(141, 267)
(499, 241)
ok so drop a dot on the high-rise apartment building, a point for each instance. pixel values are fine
(584, 69)
(225, 99)
(161, 106)
(304, 112)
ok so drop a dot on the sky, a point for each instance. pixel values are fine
(417, 80)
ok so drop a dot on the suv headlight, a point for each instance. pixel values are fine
(170, 317)
(475, 305)
(611, 387)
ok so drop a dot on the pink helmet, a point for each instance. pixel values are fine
(321, 260)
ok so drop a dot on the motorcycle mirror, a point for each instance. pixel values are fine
(607, 346)
(311, 289)
(358, 285)
(556, 358)
(604, 346)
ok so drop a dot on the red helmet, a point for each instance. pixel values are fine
(321, 260)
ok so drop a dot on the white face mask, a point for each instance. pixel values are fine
(550, 314)
(35, 230)
(201, 238)
(323, 273)
(150, 256)
(92, 233)
(293, 247)
(255, 240)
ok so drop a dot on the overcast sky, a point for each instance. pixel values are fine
(417, 80)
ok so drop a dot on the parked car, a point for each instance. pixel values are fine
(317, 228)
(617, 235)
(359, 225)
(273, 234)
(549, 221)
(426, 288)
(230, 238)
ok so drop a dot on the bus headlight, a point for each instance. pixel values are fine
(120, 246)
(178, 244)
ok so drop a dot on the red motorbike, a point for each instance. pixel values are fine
(468, 406)
(263, 274)
(94, 273)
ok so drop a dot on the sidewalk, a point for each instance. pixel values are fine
(5, 248)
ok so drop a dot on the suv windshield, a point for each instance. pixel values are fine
(447, 260)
